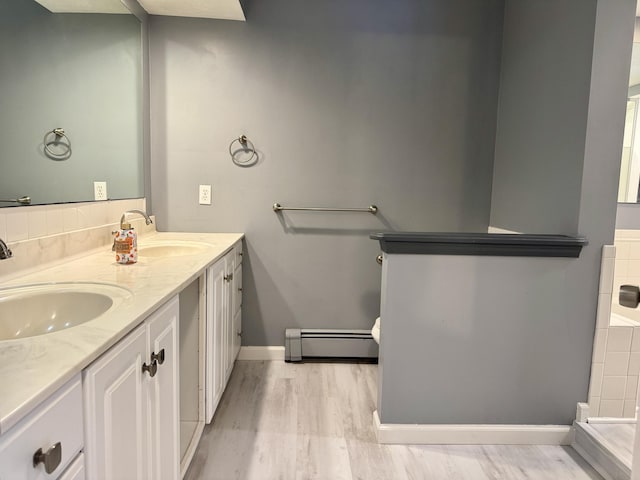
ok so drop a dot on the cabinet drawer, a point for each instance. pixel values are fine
(58, 419)
(75, 470)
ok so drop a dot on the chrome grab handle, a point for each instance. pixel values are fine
(629, 296)
(152, 369)
(158, 357)
(51, 458)
(379, 259)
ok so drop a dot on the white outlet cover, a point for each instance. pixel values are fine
(204, 195)
(100, 191)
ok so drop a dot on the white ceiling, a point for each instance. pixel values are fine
(222, 9)
(84, 6)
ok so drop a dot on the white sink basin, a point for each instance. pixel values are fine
(171, 248)
(29, 310)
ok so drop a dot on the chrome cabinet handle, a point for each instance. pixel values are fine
(152, 369)
(229, 277)
(379, 259)
(51, 458)
(159, 357)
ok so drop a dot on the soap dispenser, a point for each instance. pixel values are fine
(125, 244)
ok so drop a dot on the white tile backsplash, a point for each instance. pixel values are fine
(629, 409)
(631, 390)
(634, 363)
(54, 221)
(606, 274)
(595, 386)
(17, 225)
(603, 314)
(37, 223)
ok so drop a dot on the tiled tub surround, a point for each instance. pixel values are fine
(33, 368)
(616, 351)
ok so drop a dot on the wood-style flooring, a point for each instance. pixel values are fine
(309, 421)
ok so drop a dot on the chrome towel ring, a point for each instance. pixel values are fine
(58, 136)
(245, 145)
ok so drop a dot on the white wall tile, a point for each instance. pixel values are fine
(634, 250)
(17, 226)
(631, 390)
(613, 387)
(629, 409)
(611, 408)
(595, 386)
(634, 364)
(37, 223)
(633, 268)
(609, 251)
(594, 406)
(619, 339)
(600, 345)
(606, 275)
(54, 220)
(70, 219)
(635, 342)
(603, 315)
(617, 363)
(621, 268)
(623, 249)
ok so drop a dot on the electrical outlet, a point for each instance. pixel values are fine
(205, 195)
(99, 190)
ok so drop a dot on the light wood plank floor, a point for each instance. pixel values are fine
(314, 421)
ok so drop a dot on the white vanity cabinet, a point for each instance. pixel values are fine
(223, 324)
(131, 404)
(48, 439)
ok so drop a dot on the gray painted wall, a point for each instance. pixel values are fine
(349, 103)
(81, 72)
(544, 97)
(481, 340)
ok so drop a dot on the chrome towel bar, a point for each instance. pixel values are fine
(370, 209)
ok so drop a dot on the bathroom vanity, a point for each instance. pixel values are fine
(126, 394)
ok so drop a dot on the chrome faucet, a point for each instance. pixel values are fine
(5, 252)
(147, 218)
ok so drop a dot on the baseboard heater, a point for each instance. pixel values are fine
(328, 343)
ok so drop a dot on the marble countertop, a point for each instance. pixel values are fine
(33, 368)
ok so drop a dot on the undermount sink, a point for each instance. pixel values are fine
(171, 248)
(30, 310)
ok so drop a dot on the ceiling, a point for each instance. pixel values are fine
(221, 9)
(84, 6)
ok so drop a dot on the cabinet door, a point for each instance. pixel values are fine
(164, 416)
(229, 332)
(215, 341)
(237, 327)
(115, 401)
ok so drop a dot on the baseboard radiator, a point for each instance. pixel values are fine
(328, 343)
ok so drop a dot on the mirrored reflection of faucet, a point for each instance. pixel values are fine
(5, 252)
(147, 218)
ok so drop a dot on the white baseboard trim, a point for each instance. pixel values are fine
(261, 353)
(396, 433)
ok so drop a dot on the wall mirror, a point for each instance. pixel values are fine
(81, 73)
(628, 191)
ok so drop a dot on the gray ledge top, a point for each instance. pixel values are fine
(486, 244)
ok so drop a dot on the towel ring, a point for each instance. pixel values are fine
(246, 145)
(58, 136)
